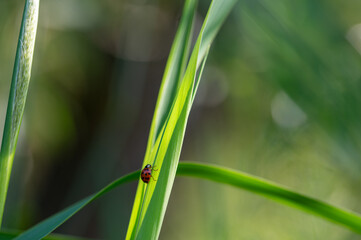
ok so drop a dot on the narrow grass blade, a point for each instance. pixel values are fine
(17, 97)
(47, 226)
(174, 70)
(217, 174)
(273, 191)
(9, 235)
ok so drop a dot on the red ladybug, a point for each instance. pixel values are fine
(147, 173)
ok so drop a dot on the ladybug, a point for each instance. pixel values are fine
(147, 173)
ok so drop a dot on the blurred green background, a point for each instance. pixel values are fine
(279, 98)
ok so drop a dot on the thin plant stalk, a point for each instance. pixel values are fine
(17, 96)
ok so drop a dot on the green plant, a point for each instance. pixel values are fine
(17, 96)
(176, 96)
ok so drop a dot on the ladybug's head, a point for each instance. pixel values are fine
(148, 166)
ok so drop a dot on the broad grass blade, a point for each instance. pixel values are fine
(152, 199)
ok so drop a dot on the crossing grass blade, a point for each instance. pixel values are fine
(17, 97)
(273, 191)
(10, 235)
(47, 226)
(221, 175)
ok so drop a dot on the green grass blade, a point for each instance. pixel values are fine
(167, 155)
(17, 97)
(173, 74)
(151, 200)
(174, 70)
(217, 14)
(9, 235)
(273, 191)
(217, 174)
(47, 226)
